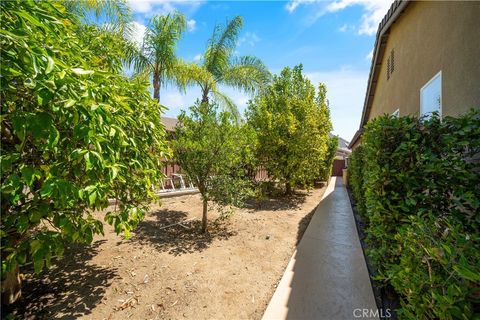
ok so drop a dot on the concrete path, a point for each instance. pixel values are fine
(327, 276)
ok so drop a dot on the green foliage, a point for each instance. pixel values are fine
(327, 164)
(74, 134)
(292, 122)
(157, 55)
(115, 15)
(355, 177)
(210, 148)
(420, 185)
(221, 67)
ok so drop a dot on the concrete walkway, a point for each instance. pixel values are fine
(327, 276)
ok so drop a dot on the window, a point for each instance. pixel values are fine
(396, 113)
(431, 96)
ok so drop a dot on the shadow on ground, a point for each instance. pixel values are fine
(171, 231)
(303, 224)
(279, 202)
(70, 289)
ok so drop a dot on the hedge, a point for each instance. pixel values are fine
(355, 165)
(416, 182)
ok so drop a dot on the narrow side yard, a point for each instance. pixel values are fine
(176, 272)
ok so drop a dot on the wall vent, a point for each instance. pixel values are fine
(390, 64)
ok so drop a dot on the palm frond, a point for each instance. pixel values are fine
(248, 74)
(157, 53)
(227, 104)
(193, 74)
(162, 36)
(140, 63)
(116, 14)
(221, 46)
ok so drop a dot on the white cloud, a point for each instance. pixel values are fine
(249, 38)
(373, 11)
(369, 55)
(153, 7)
(138, 32)
(198, 57)
(343, 28)
(293, 4)
(346, 94)
(177, 101)
(191, 25)
(145, 6)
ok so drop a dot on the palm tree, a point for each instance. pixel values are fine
(157, 55)
(220, 67)
(116, 15)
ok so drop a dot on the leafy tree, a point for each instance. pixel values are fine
(74, 134)
(292, 123)
(221, 67)
(326, 166)
(209, 147)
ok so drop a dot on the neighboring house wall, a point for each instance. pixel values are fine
(356, 144)
(429, 37)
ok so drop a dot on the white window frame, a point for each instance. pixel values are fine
(439, 74)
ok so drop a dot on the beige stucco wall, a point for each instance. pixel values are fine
(427, 38)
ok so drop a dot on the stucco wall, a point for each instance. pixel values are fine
(427, 38)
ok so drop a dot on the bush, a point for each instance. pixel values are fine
(355, 177)
(74, 134)
(327, 163)
(417, 184)
(211, 147)
(292, 122)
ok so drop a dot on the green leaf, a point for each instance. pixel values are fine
(69, 103)
(50, 65)
(29, 175)
(92, 197)
(47, 189)
(81, 71)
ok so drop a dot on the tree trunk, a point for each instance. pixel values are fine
(288, 188)
(205, 93)
(204, 217)
(156, 86)
(11, 287)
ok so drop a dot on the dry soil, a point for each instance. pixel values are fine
(169, 270)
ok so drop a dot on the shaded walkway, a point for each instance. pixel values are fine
(326, 277)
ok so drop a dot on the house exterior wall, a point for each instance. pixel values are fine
(427, 38)
(357, 143)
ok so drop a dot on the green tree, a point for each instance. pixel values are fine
(115, 15)
(292, 123)
(157, 55)
(209, 147)
(221, 67)
(74, 134)
(327, 164)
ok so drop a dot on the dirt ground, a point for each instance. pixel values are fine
(175, 272)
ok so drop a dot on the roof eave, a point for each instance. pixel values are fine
(393, 13)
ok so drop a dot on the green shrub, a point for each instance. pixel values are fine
(419, 186)
(327, 163)
(355, 177)
(292, 121)
(75, 132)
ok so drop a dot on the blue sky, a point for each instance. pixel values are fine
(332, 39)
